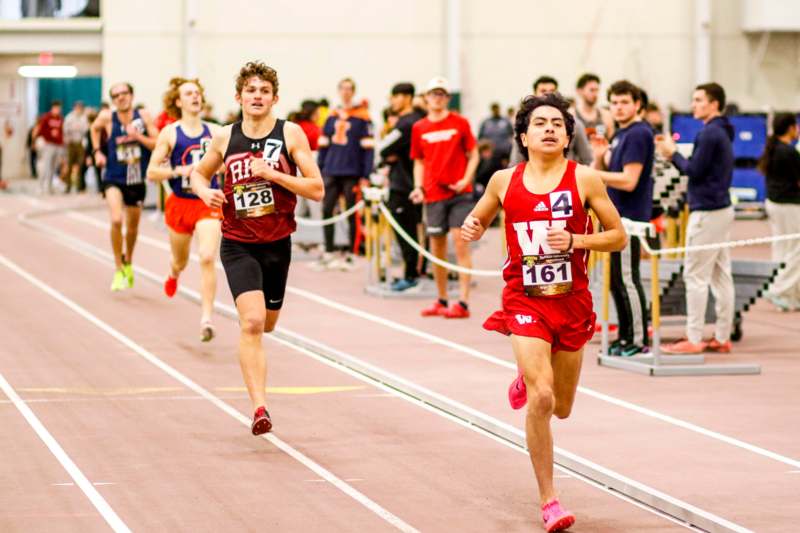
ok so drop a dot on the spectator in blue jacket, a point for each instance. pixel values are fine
(710, 171)
(346, 152)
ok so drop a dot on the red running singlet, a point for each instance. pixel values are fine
(256, 210)
(546, 293)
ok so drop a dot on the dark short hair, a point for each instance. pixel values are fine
(586, 78)
(347, 80)
(715, 93)
(54, 103)
(645, 100)
(544, 79)
(526, 107)
(621, 87)
(404, 88)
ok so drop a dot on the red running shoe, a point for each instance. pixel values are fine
(437, 309)
(719, 347)
(170, 286)
(262, 423)
(518, 393)
(457, 311)
(555, 518)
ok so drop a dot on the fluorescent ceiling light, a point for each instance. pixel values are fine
(47, 71)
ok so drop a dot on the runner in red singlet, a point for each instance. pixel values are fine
(547, 307)
(259, 194)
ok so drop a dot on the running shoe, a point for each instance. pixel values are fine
(127, 269)
(403, 284)
(629, 350)
(556, 518)
(170, 286)
(518, 393)
(437, 309)
(719, 347)
(119, 283)
(207, 331)
(326, 262)
(614, 347)
(262, 423)
(683, 346)
(457, 311)
(347, 263)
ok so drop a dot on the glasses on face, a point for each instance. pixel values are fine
(114, 96)
(439, 94)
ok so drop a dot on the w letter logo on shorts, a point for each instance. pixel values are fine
(524, 319)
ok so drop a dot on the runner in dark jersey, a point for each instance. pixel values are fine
(547, 307)
(185, 214)
(131, 136)
(261, 155)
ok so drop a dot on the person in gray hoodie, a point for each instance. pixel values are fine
(710, 170)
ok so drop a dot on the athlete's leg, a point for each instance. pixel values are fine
(566, 373)
(533, 359)
(349, 189)
(252, 316)
(332, 191)
(439, 249)
(464, 259)
(180, 245)
(208, 234)
(115, 207)
(132, 216)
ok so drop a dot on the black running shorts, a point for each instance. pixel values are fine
(442, 216)
(258, 267)
(132, 195)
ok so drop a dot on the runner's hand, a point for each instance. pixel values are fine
(558, 239)
(133, 131)
(260, 168)
(472, 229)
(184, 170)
(99, 158)
(212, 197)
(417, 196)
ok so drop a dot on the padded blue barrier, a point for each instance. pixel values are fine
(684, 127)
(749, 178)
(750, 135)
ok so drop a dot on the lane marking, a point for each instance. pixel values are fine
(132, 391)
(689, 426)
(200, 390)
(102, 506)
(105, 258)
(297, 390)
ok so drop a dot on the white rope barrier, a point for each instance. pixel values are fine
(640, 229)
(333, 220)
(432, 258)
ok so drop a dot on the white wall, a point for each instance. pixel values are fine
(505, 45)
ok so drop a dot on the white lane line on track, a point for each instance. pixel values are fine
(486, 357)
(198, 389)
(106, 259)
(102, 506)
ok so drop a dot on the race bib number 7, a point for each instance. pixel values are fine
(547, 275)
(253, 199)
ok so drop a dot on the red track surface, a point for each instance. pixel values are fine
(176, 462)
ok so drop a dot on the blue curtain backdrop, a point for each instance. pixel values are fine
(87, 89)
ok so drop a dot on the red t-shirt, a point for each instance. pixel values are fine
(312, 132)
(442, 146)
(51, 128)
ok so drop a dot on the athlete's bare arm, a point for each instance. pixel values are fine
(593, 192)
(156, 170)
(309, 184)
(208, 165)
(148, 138)
(486, 209)
(99, 125)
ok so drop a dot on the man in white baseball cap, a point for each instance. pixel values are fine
(445, 158)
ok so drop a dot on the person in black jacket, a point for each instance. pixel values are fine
(394, 150)
(780, 164)
(710, 171)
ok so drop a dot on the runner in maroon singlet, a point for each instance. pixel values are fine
(547, 306)
(261, 156)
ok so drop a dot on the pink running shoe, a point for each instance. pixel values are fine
(517, 393)
(555, 518)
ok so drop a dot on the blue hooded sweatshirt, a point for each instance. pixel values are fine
(710, 169)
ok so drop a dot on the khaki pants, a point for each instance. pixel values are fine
(50, 158)
(783, 219)
(709, 269)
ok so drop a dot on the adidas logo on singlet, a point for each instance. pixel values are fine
(540, 207)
